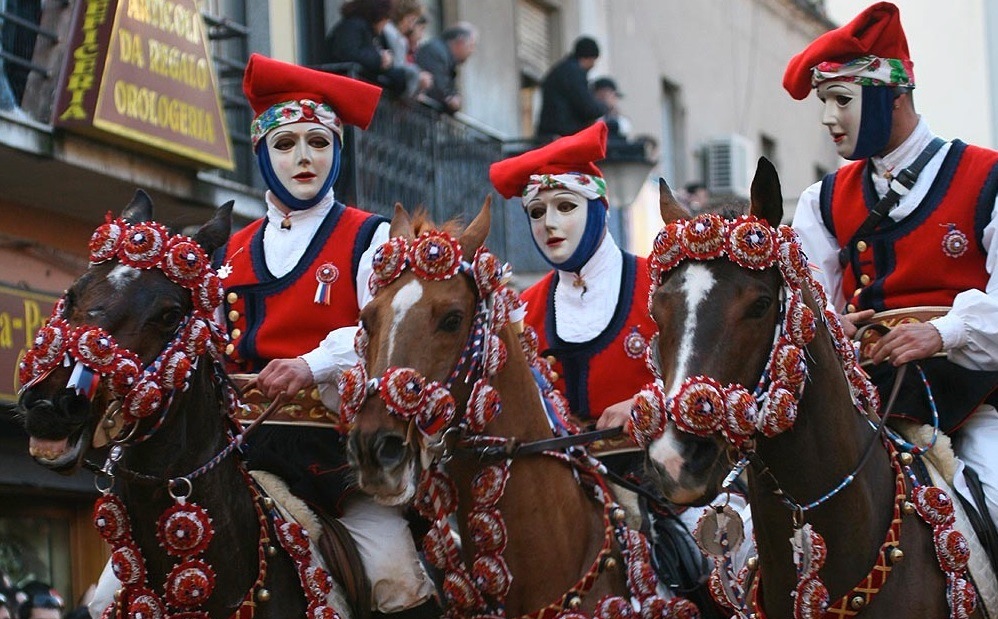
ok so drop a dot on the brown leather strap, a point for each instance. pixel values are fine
(345, 565)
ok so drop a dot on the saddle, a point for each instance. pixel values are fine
(304, 408)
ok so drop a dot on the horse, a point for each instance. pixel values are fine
(132, 352)
(735, 301)
(534, 541)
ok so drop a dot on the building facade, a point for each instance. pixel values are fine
(79, 132)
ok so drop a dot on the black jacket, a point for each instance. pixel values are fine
(567, 104)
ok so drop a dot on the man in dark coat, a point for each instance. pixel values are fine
(568, 106)
(441, 57)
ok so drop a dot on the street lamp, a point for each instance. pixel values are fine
(626, 169)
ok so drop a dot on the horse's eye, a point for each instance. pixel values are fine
(451, 322)
(759, 307)
(170, 317)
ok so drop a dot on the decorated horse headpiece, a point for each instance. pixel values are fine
(702, 406)
(437, 256)
(96, 354)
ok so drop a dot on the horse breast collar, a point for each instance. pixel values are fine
(702, 406)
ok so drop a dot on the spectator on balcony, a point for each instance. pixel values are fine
(404, 17)
(415, 38)
(442, 56)
(618, 126)
(567, 105)
(357, 38)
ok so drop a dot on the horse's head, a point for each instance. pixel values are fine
(113, 322)
(717, 313)
(413, 336)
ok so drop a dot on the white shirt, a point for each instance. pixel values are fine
(970, 330)
(282, 249)
(581, 314)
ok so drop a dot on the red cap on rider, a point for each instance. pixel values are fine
(875, 36)
(302, 94)
(577, 153)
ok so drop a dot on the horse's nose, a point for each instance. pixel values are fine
(389, 449)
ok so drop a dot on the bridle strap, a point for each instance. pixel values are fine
(512, 448)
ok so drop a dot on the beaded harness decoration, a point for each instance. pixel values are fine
(137, 393)
(481, 590)
(703, 407)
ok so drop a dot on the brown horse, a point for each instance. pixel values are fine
(426, 318)
(178, 443)
(719, 296)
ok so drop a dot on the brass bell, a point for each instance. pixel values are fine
(908, 507)
(574, 601)
(554, 377)
(118, 593)
(550, 359)
(262, 595)
(752, 563)
(271, 551)
(618, 514)
(268, 503)
(906, 458)
(857, 602)
(895, 555)
(608, 564)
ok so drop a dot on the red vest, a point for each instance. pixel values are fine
(930, 256)
(611, 367)
(276, 317)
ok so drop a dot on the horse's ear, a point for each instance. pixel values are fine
(139, 209)
(767, 198)
(401, 223)
(474, 235)
(215, 232)
(668, 206)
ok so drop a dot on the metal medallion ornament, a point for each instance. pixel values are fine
(954, 242)
(719, 531)
(635, 344)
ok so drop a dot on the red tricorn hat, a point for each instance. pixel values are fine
(576, 153)
(268, 82)
(874, 32)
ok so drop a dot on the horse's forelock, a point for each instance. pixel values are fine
(421, 222)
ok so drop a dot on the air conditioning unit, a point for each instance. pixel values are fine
(730, 163)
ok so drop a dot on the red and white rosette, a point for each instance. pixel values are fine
(435, 255)
(438, 410)
(208, 294)
(484, 405)
(145, 604)
(751, 243)
(189, 584)
(198, 337)
(50, 346)
(648, 415)
(497, 356)
(780, 410)
(435, 548)
(388, 262)
(704, 236)
(185, 262)
(793, 263)
(293, 538)
(127, 564)
(492, 575)
(789, 366)
(614, 607)
(667, 250)
(488, 531)
(105, 240)
(95, 348)
(952, 549)
(800, 323)
(698, 406)
(461, 592)
(143, 245)
(317, 581)
(111, 519)
(184, 530)
(176, 369)
(352, 388)
(810, 599)
(934, 505)
(125, 374)
(361, 340)
(488, 485)
(530, 343)
(962, 596)
(403, 391)
(143, 400)
(487, 271)
(741, 415)
(435, 495)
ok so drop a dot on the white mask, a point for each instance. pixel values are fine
(557, 221)
(302, 156)
(841, 113)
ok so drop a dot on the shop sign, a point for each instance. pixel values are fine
(21, 314)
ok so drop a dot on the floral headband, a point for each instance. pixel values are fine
(867, 71)
(288, 112)
(586, 185)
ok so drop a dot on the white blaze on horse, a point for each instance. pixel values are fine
(132, 357)
(753, 371)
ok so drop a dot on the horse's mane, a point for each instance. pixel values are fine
(421, 222)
